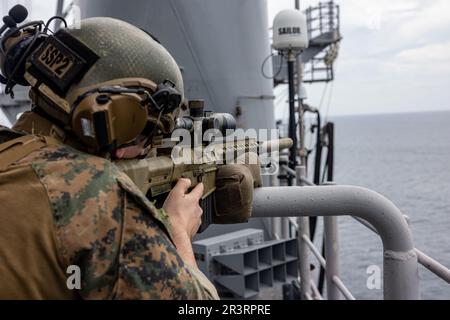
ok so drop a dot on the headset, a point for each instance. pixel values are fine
(116, 112)
(103, 117)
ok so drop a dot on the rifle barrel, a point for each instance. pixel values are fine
(276, 145)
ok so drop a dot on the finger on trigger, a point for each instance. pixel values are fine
(198, 191)
(182, 186)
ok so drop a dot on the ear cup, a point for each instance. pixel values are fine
(101, 120)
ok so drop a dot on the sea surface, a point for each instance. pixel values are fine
(405, 157)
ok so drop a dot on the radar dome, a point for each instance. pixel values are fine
(290, 31)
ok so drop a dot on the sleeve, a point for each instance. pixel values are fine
(123, 252)
(149, 265)
(113, 234)
(205, 287)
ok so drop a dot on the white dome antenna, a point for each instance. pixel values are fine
(290, 31)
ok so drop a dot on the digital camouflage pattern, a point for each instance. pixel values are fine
(108, 228)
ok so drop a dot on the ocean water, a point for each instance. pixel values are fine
(405, 157)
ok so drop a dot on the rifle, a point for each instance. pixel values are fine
(156, 176)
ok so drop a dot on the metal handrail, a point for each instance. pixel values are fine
(337, 281)
(331, 264)
(315, 291)
(315, 252)
(341, 286)
(323, 18)
(431, 264)
(400, 260)
(308, 296)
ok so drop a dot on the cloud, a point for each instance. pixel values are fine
(429, 24)
(438, 54)
(374, 15)
(421, 65)
(395, 56)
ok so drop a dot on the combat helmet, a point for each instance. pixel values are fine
(125, 83)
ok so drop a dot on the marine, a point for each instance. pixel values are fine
(64, 203)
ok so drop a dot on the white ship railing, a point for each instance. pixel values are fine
(400, 266)
(429, 263)
(400, 258)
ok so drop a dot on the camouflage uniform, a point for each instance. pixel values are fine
(63, 207)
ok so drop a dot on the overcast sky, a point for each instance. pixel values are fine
(395, 56)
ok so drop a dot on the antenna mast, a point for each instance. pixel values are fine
(301, 120)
